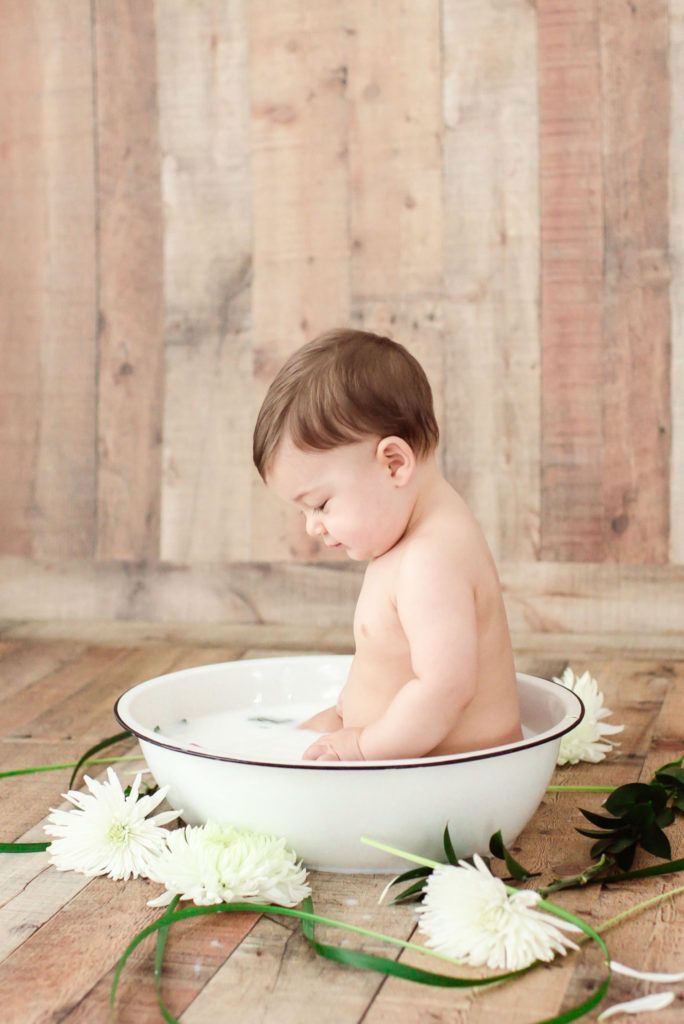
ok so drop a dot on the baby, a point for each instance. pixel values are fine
(347, 432)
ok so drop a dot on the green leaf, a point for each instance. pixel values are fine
(66, 764)
(420, 872)
(672, 867)
(413, 873)
(162, 936)
(625, 858)
(672, 777)
(346, 956)
(497, 848)
(665, 818)
(409, 893)
(599, 819)
(588, 877)
(656, 842)
(592, 833)
(625, 797)
(448, 847)
(367, 961)
(110, 741)
(673, 769)
(23, 847)
(641, 815)
(618, 844)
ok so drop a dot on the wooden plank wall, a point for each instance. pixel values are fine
(197, 189)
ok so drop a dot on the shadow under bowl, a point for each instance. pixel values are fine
(322, 808)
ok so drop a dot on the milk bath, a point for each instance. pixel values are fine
(255, 733)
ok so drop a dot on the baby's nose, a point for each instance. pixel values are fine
(314, 527)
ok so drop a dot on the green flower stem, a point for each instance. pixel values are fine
(69, 764)
(215, 908)
(412, 856)
(612, 921)
(401, 853)
(543, 904)
(553, 908)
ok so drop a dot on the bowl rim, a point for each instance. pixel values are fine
(568, 722)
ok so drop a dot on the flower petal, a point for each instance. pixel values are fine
(468, 914)
(657, 1001)
(644, 975)
(213, 863)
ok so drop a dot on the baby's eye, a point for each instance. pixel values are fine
(320, 508)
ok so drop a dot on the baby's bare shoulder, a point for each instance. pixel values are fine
(449, 544)
(435, 553)
(452, 532)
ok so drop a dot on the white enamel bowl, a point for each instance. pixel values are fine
(323, 807)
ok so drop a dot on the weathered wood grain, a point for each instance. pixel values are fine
(263, 964)
(21, 710)
(397, 174)
(491, 269)
(26, 798)
(641, 603)
(676, 243)
(201, 594)
(47, 295)
(204, 138)
(572, 228)
(396, 265)
(22, 665)
(538, 653)
(274, 973)
(299, 55)
(195, 951)
(141, 634)
(87, 714)
(130, 282)
(36, 985)
(550, 845)
(636, 301)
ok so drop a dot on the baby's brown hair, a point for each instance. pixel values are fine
(341, 387)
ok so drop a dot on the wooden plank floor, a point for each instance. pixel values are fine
(61, 934)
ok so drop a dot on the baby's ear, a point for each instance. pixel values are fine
(398, 457)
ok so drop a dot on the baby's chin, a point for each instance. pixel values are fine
(366, 554)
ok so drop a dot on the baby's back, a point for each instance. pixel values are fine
(382, 662)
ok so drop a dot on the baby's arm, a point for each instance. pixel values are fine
(436, 608)
(327, 720)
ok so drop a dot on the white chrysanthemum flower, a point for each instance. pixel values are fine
(222, 864)
(587, 741)
(108, 833)
(468, 914)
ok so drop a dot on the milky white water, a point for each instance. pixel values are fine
(258, 733)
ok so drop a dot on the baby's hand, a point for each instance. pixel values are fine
(342, 745)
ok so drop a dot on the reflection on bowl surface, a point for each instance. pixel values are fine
(224, 737)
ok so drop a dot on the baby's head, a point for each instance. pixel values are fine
(347, 432)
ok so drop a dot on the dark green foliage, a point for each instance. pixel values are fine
(637, 814)
(516, 870)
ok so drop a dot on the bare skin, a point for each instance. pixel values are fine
(433, 670)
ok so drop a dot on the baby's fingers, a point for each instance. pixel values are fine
(320, 752)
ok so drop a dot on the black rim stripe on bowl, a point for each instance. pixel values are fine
(362, 765)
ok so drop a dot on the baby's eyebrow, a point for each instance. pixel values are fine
(305, 493)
